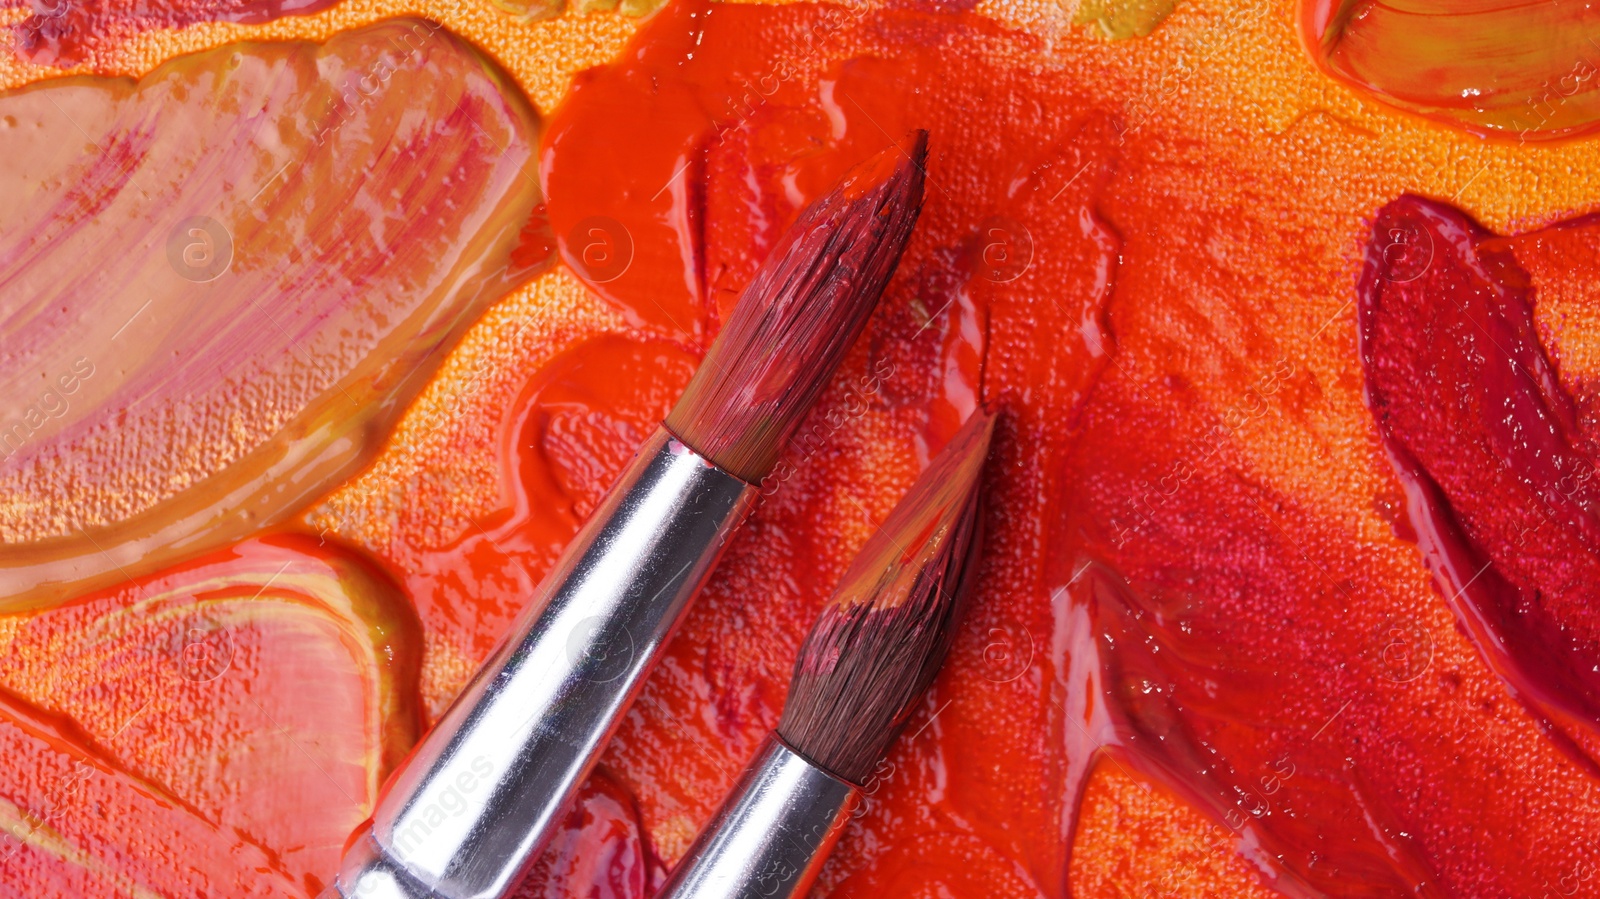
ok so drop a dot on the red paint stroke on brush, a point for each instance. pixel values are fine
(1499, 476)
(800, 315)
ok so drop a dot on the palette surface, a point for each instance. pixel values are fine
(324, 325)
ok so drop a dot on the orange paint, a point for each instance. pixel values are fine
(283, 239)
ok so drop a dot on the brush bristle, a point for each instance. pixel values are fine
(880, 641)
(798, 316)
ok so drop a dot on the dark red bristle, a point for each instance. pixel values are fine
(800, 314)
(880, 640)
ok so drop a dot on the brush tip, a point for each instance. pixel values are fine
(905, 162)
(799, 315)
(880, 641)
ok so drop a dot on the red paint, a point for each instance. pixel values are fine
(697, 150)
(599, 851)
(1499, 474)
(577, 423)
(1256, 655)
(1235, 643)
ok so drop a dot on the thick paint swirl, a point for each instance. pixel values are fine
(224, 283)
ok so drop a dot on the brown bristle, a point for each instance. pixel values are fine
(798, 316)
(880, 640)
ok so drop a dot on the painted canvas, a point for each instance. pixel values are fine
(326, 324)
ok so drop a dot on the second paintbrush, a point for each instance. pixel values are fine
(869, 657)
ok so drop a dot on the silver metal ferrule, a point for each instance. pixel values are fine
(772, 834)
(470, 808)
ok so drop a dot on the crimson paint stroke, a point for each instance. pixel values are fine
(1498, 470)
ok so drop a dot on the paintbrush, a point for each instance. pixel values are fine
(865, 664)
(469, 810)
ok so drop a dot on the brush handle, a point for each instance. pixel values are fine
(470, 808)
(772, 834)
